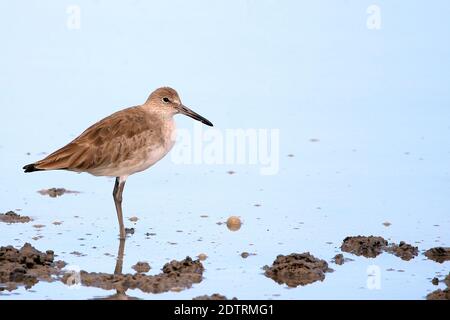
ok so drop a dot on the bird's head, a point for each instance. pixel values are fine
(165, 100)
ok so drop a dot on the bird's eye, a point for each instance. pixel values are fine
(166, 100)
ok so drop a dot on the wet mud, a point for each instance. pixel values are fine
(403, 250)
(214, 296)
(441, 294)
(12, 217)
(372, 246)
(339, 259)
(56, 192)
(246, 254)
(438, 254)
(297, 269)
(141, 267)
(175, 276)
(368, 247)
(26, 267)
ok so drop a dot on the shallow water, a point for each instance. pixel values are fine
(377, 101)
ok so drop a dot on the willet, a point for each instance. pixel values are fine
(126, 142)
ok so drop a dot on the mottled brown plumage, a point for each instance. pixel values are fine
(126, 142)
(109, 143)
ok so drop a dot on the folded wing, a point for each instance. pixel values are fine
(111, 140)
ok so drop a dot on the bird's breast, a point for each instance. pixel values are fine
(158, 145)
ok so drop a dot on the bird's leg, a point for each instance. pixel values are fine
(117, 195)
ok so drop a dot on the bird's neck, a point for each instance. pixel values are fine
(162, 114)
(164, 119)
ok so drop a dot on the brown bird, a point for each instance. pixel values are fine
(126, 142)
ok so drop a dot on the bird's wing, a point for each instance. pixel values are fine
(112, 139)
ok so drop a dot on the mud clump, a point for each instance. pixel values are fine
(438, 254)
(56, 192)
(26, 266)
(297, 269)
(12, 217)
(339, 259)
(440, 294)
(369, 247)
(176, 274)
(141, 267)
(246, 254)
(214, 296)
(403, 250)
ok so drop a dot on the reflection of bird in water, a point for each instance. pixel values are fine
(126, 142)
(120, 291)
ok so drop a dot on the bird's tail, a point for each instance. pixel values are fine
(31, 168)
(58, 160)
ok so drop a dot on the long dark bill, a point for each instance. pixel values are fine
(194, 115)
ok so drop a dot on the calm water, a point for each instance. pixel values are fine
(377, 101)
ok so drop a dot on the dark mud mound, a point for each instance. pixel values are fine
(214, 296)
(441, 294)
(175, 276)
(56, 192)
(438, 254)
(26, 266)
(297, 269)
(141, 267)
(339, 259)
(403, 250)
(12, 217)
(245, 254)
(369, 247)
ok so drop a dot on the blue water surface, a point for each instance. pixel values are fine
(363, 116)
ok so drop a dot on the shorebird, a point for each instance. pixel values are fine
(124, 143)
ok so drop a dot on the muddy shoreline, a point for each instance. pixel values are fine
(440, 294)
(175, 276)
(27, 266)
